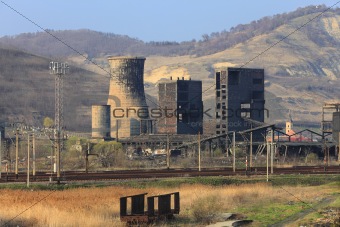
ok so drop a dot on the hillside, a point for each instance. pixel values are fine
(302, 70)
(95, 44)
(27, 91)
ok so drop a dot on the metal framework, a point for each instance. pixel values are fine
(327, 125)
(59, 70)
(132, 208)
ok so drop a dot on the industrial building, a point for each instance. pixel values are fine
(330, 122)
(181, 106)
(239, 99)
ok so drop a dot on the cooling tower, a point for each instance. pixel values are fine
(129, 112)
(101, 121)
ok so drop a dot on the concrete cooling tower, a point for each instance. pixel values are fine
(129, 111)
(101, 121)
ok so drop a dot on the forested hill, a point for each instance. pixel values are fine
(95, 44)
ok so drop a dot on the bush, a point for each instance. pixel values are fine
(109, 153)
(206, 209)
(311, 158)
(218, 152)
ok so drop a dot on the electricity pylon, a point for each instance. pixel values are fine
(59, 70)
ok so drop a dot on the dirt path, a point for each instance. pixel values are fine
(291, 219)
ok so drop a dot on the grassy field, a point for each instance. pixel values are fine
(201, 200)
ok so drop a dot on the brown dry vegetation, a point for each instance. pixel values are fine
(100, 206)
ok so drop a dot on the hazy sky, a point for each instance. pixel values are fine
(148, 20)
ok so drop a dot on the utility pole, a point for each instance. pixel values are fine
(251, 151)
(199, 151)
(59, 70)
(87, 154)
(28, 160)
(33, 148)
(234, 153)
(16, 153)
(339, 148)
(272, 152)
(0, 153)
(117, 126)
(87, 158)
(268, 150)
(167, 152)
(227, 144)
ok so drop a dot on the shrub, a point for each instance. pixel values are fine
(109, 153)
(218, 152)
(311, 157)
(206, 209)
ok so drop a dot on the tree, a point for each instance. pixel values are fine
(109, 153)
(48, 122)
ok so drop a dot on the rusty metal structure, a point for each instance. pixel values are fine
(132, 208)
(129, 111)
(330, 112)
(101, 122)
(239, 99)
(330, 125)
(181, 107)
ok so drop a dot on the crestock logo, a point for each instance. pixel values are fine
(156, 113)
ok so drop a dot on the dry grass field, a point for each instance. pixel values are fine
(100, 206)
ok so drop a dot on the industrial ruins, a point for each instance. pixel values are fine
(175, 125)
(239, 107)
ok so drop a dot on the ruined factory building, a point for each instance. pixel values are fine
(127, 97)
(239, 99)
(181, 102)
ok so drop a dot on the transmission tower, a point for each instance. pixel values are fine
(59, 70)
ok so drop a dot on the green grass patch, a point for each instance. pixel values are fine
(309, 219)
(52, 187)
(336, 203)
(303, 180)
(275, 180)
(268, 214)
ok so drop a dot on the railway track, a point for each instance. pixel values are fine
(164, 173)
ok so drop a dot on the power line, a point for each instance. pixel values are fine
(79, 53)
(64, 43)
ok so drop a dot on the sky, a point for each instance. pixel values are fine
(147, 20)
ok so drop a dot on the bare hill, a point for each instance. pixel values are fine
(96, 44)
(302, 70)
